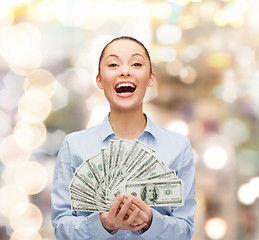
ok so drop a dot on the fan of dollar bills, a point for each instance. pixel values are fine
(124, 167)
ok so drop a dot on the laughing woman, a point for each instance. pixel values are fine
(125, 72)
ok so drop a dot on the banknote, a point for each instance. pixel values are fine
(105, 159)
(118, 151)
(124, 167)
(155, 193)
(78, 204)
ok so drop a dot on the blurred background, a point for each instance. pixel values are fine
(205, 55)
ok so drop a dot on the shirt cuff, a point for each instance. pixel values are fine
(155, 227)
(96, 227)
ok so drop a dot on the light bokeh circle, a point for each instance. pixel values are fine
(31, 218)
(10, 197)
(30, 135)
(32, 177)
(12, 154)
(25, 234)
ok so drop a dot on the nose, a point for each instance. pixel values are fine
(125, 71)
(123, 75)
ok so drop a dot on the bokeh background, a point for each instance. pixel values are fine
(205, 55)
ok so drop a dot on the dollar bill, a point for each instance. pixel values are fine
(77, 186)
(77, 205)
(105, 159)
(114, 145)
(154, 168)
(124, 147)
(95, 164)
(166, 175)
(137, 148)
(85, 174)
(162, 193)
(81, 198)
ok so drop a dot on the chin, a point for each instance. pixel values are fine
(126, 107)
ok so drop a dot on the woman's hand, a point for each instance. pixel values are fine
(124, 214)
(145, 211)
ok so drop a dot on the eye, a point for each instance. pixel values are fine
(137, 64)
(113, 65)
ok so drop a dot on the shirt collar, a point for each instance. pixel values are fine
(150, 127)
(107, 131)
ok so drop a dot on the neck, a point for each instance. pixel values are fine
(127, 124)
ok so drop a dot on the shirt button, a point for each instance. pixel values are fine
(128, 234)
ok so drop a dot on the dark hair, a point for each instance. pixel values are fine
(124, 38)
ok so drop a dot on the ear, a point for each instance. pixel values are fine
(99, 82)
(152, 79)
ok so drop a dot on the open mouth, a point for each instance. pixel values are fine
(124, 88)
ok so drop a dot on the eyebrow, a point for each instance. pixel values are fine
(112, 55)
(135, 54)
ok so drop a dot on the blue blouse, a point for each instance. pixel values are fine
(168, 222)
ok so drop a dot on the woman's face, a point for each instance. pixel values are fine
(125, 74)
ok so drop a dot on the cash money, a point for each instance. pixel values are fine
(124, 167)
(165, 193)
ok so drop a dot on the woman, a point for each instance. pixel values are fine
(125, 72)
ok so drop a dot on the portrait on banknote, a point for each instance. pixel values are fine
(149, 193)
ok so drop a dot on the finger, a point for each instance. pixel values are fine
(129, 212)
(138, 227)
(136, 223)
(140, 204)
(145, 210)
(115, 205)
(123, 211)
(141, 217)
(145, 213)
(132, 208)
(133, 217)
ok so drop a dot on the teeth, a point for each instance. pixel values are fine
(125, 85)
